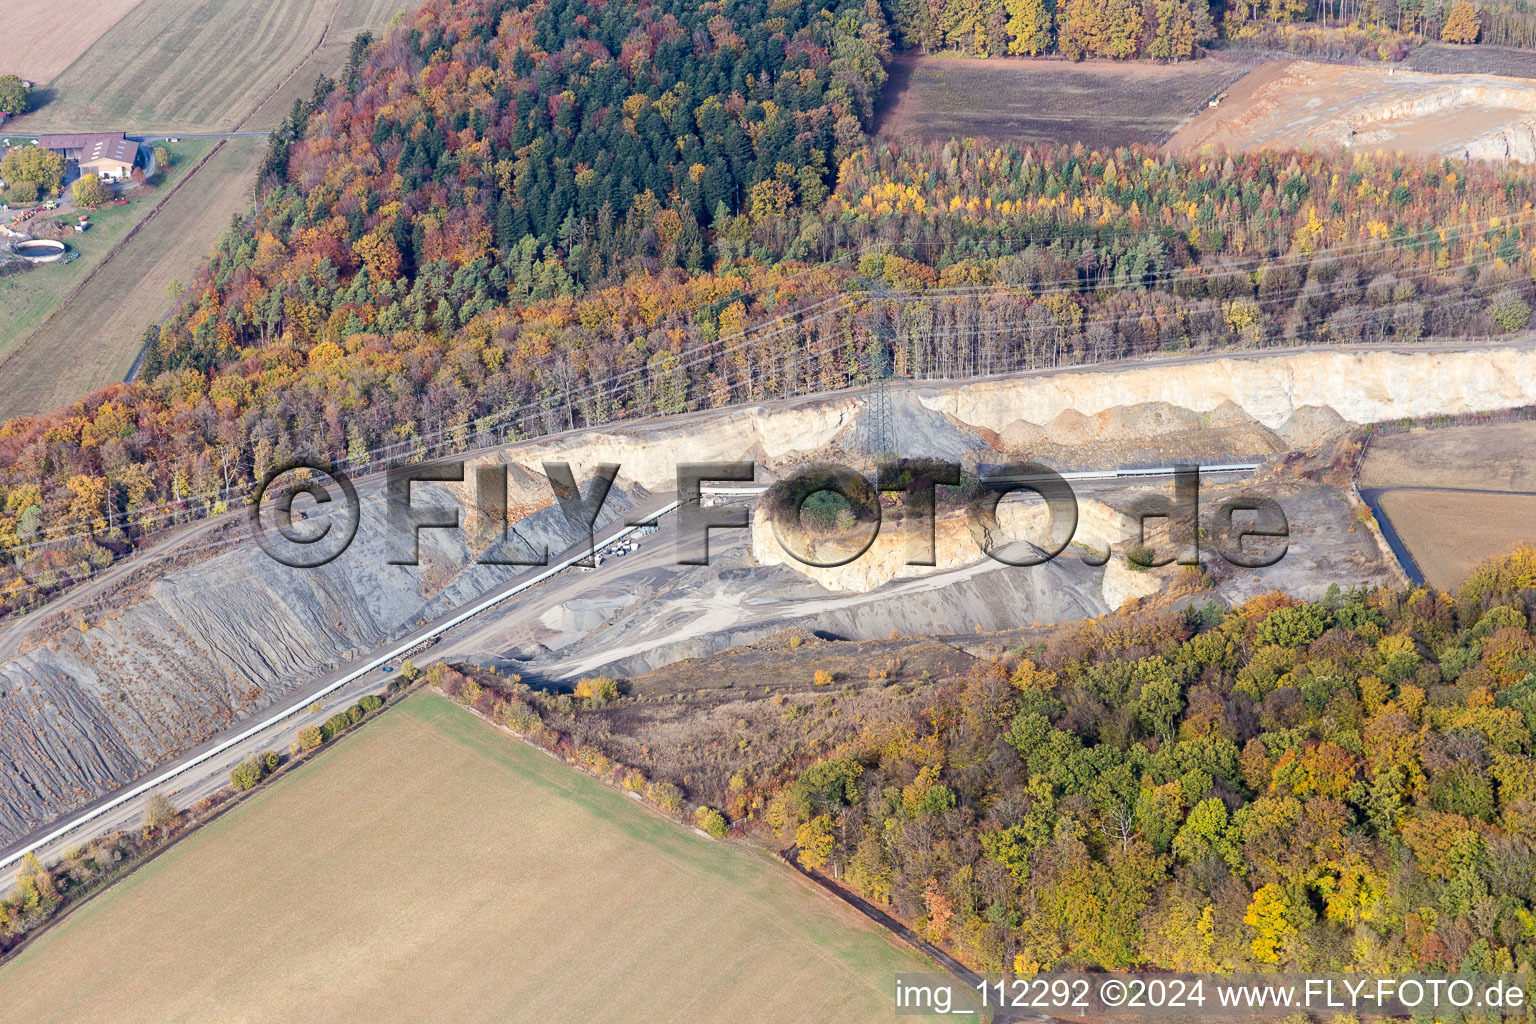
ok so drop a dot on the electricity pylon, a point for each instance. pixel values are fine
(878, 433)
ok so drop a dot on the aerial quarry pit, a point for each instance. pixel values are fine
(1306, 104)
(767, 512)
(93, 703)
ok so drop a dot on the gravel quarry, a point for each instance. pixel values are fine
(93, 701)
(1299, 104)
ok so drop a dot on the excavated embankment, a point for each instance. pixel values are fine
(206, 647)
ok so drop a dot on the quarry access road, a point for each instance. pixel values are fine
(205, 769)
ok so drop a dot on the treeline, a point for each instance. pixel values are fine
(1173, 30)
(1345, 785)
(995, 259)
(1115, 29)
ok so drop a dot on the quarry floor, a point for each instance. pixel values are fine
(1299, 104)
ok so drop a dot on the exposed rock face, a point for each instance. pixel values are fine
(210, 645)
(1359, 387)
(1020, 531)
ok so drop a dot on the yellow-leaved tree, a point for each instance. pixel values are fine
(1463, 24)
(1029, 26)
(89, 190)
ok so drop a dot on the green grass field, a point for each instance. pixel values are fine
(26, 299)
(197, 65)
(431, 868)
(100, 329)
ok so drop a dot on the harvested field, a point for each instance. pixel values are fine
(1484, 456)
(1447, 59)
(351, 17)
(37, 46)
(1100, 103)
(195, 65)
(1449, 532)
(431, 868)
(92, 341)
(1456, 495)
(1299, 104)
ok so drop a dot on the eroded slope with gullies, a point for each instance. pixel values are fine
(208, 646)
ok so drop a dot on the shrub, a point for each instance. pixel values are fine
(370, 702)
(821, 678)
(270, 760)
(519, 717)
(665, 795)
(21, 192)
(1509, 310)
(711, 821)
(309, 738)
(597, 690)
(1140, 558)
(594, 759)
(247, 774)
(336, 724)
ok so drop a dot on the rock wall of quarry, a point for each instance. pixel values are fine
(1297, 397)
(1513, 142)
(208, 646)
(958, 540)
(1278, 392)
